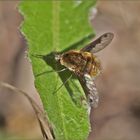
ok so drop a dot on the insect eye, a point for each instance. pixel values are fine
(66, 55)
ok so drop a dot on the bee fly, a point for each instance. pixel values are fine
(86, 65)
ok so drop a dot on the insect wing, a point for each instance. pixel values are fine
(99, 44)
(89, 87)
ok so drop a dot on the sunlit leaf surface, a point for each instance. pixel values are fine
(58, 26)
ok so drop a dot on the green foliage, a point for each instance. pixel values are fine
(57, 26)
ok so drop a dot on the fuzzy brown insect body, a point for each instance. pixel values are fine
(86, 65)
(81, 63)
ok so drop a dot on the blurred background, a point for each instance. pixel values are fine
(118, 114)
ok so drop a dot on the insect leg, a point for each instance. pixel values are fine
(46, 72)
(62, 84)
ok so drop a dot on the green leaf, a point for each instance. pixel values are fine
(58, 26)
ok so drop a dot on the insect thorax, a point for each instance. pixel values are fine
(80, 62)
